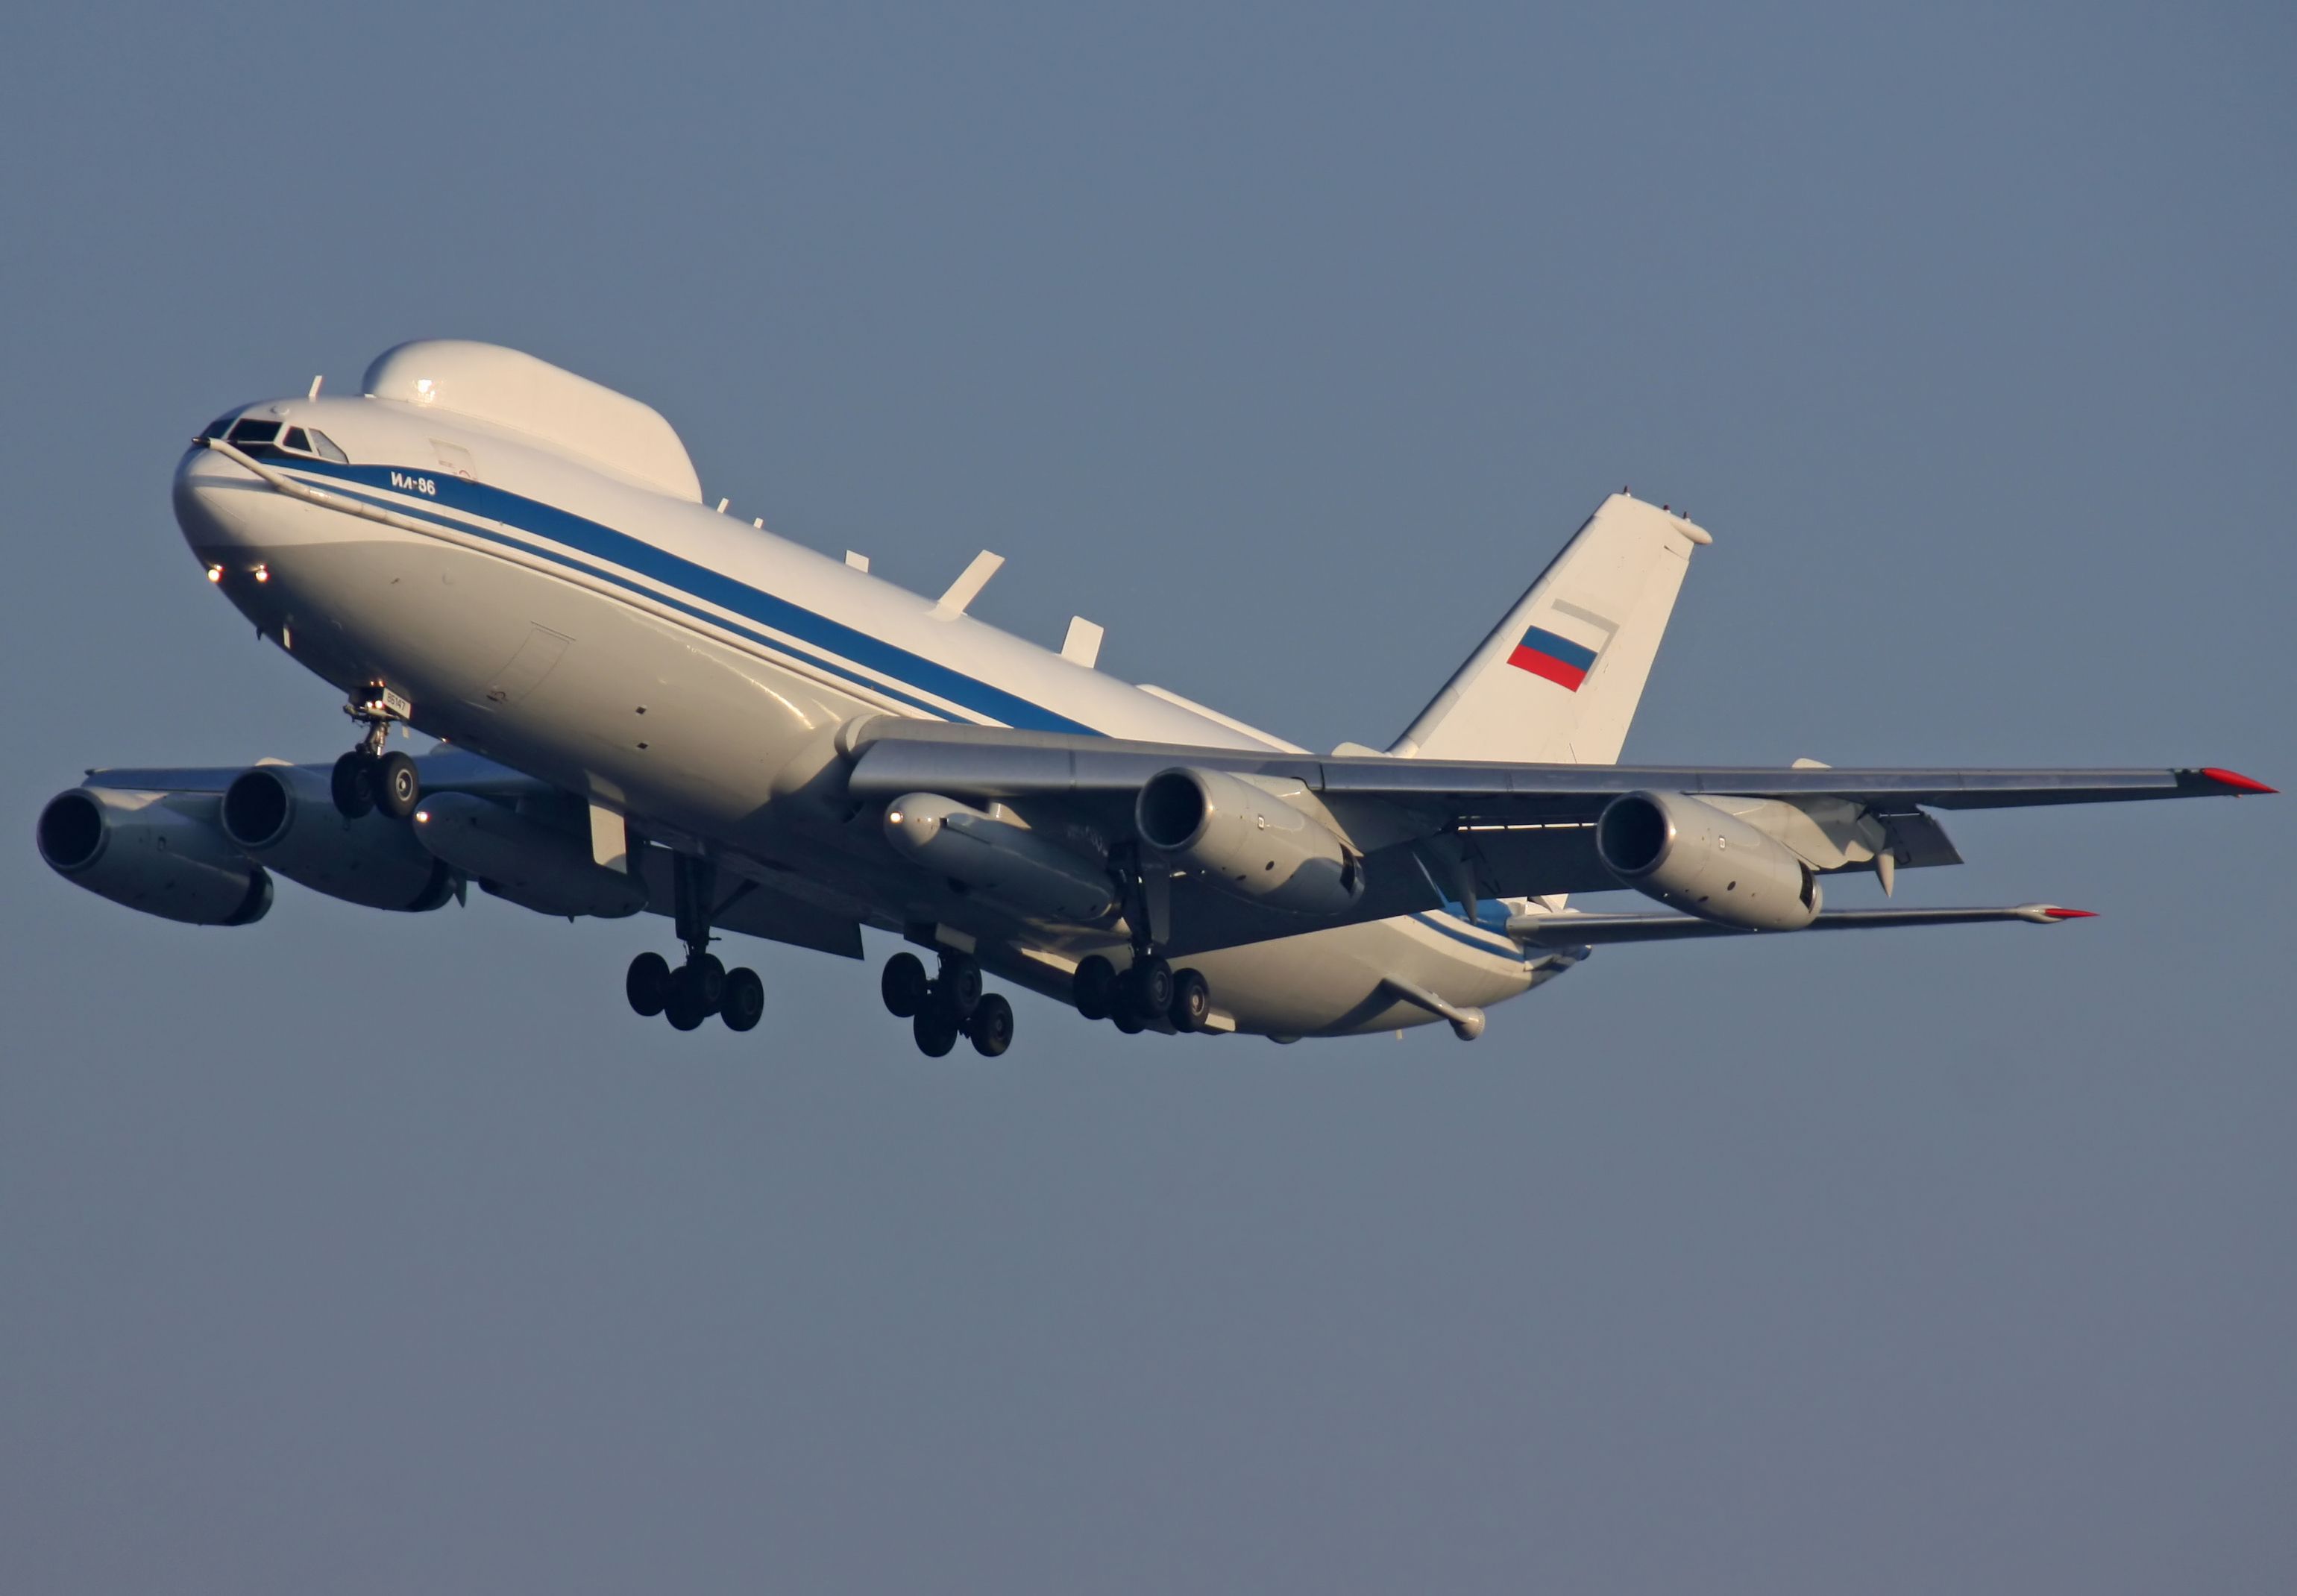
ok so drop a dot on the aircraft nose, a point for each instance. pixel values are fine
(213, 498)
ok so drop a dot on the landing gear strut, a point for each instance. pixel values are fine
(702, 986)
(944, 1008)
(367, 779)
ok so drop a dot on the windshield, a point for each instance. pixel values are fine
(275, 440)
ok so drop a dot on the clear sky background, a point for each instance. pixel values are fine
(362, 1254)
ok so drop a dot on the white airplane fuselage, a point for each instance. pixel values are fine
(688, 670)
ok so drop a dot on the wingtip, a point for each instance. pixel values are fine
(2234, 781)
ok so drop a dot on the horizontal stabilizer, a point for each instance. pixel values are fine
(1589, 930)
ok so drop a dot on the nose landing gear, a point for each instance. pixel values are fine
(702, 986)
(367, 779)
(939, 1011)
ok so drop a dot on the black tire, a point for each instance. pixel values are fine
(959, 986)
(685, 1008)
(710, 981)
(647, 985)
(397, 785)
(904, 986)
(1192, 1002)
(935, 1030)
(1093, 988)
(1126, 1021)
(1152, 986)
(352, 785)
(743, 1003)
(991, 1025)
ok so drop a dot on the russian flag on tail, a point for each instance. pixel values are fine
(1559, 660)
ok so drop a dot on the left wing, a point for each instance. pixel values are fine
(1572, 930)
(997, 763)
(1428, 832)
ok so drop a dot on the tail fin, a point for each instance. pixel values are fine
(1558, 681)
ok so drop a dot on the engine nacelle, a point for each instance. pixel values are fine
(160, 853)
(997, 858)
(1248, 840)
(285, 816)
(1693, 857)
(519, 858)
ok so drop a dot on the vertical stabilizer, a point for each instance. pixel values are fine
(1558, 681)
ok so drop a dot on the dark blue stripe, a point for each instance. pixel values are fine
(1559, 649)
(713, 586)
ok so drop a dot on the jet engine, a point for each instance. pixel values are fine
(997, 858)
(518, 857)
(1693, 856)
(1248, 840)
(285, 816)
(161, 852)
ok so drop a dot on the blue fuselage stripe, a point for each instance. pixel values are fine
(604, 544)
(1459, 933)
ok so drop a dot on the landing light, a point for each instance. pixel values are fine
(422, 816)
(262, 573)
(215, 573)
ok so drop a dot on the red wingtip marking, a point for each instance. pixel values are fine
(2235, 780)
(2071, 914)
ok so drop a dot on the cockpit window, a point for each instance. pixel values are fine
(219, 427)
(272, 441)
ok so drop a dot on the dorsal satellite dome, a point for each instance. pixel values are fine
(571, 414)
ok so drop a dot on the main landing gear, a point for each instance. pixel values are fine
(1149, 990)
(367, 779)
(700, 986)
(939, 1011)
(1145, 992)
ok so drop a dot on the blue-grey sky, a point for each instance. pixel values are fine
(366, 1254)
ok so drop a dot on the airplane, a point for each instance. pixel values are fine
(641, 702)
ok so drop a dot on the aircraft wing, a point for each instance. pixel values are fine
(898, 756)
(444, 770)
(1570, 930)
(1431, 832)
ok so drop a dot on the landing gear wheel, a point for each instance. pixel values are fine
(1192, 1002)
(935, 1029)
(744, 1002)
(959, 987)
(1093, 988)
(1126, 1021)
(904, 986)
(710, 981)
(1152, 986)
(647, 985)
(991, 1025)
(397, 784)
(352, 784)
(685, 1008)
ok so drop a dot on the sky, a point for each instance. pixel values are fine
(374, 1254)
